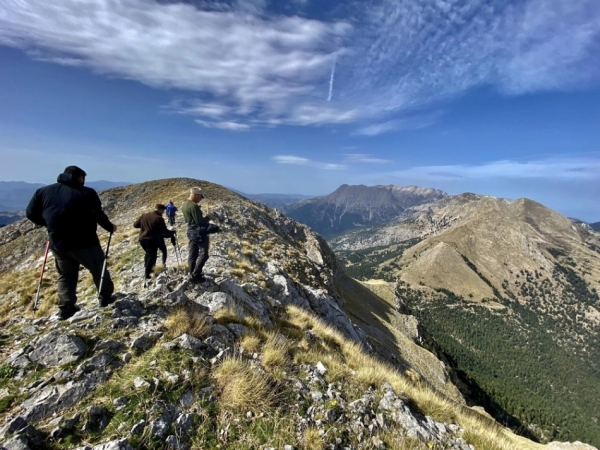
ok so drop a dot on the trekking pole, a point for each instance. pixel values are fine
(37, 294)
(177, 251)
(176, 254)
(104, 264)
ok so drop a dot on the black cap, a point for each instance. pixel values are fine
(75, 171)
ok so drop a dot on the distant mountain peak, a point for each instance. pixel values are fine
(350, 206)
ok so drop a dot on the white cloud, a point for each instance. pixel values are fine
(301, 161)
(255, 68)
(360, 158)
(239, 66)
(224, 125)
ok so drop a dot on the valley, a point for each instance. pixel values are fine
(507, 293)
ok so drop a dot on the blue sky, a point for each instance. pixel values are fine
(495, 97)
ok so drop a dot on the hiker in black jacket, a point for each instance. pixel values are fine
(153, 231)
(71, 212)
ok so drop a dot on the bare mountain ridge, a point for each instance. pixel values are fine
(352, 206)
(480, 271)
(164, 360)
(415, 222)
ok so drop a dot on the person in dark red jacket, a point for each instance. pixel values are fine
(153, 231)
(71, 212)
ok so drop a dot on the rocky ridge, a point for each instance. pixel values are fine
(480, 270)
(264, 344)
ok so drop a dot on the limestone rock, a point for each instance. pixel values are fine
(146, 340)
(193, 344)
(215, 301)
(16, 443)
(97, 420)
(238, 330)
(55, 398)
(55, 349)
(160, 427)
(398, 411)
(121, 444)
(326, 307)
(252, 305)
(18, 360)
(221, 332)
(138, 428)
(14, 425)
(140, 383)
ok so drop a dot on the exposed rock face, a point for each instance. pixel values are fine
(399, 412)
(55, 398)
(56, 349)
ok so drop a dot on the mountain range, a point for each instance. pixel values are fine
(278, 348)
(507, 293)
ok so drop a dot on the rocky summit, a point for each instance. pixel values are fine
(277, 349)
(350, 207)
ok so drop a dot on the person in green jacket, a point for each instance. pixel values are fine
(198, 230)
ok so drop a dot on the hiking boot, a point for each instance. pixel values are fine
(68, 312)
(105, 301)
(200, 279)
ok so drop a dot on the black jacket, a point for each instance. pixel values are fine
(199, 233)
(152, 227)
(70, 212)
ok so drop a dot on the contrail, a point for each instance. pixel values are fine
(331, 80)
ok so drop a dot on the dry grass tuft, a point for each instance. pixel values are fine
(251, 343)
(312, 440)
(243, 388)
(431, 404)
(186, 321)
(228, 315)
(276, 351)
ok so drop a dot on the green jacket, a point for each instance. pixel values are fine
(192, 214)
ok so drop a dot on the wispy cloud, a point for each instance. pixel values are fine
(564, 168)
(240, 66)
(414, 122)
(270, 69)
(360, 158)
(414, 52)
(301, 161)
(224, 125)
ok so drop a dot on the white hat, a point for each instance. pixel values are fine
(196, 191)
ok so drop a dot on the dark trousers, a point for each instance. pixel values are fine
(68, 264)
(171, 220)
(151, 252)
(197, 257)
(163, 249)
